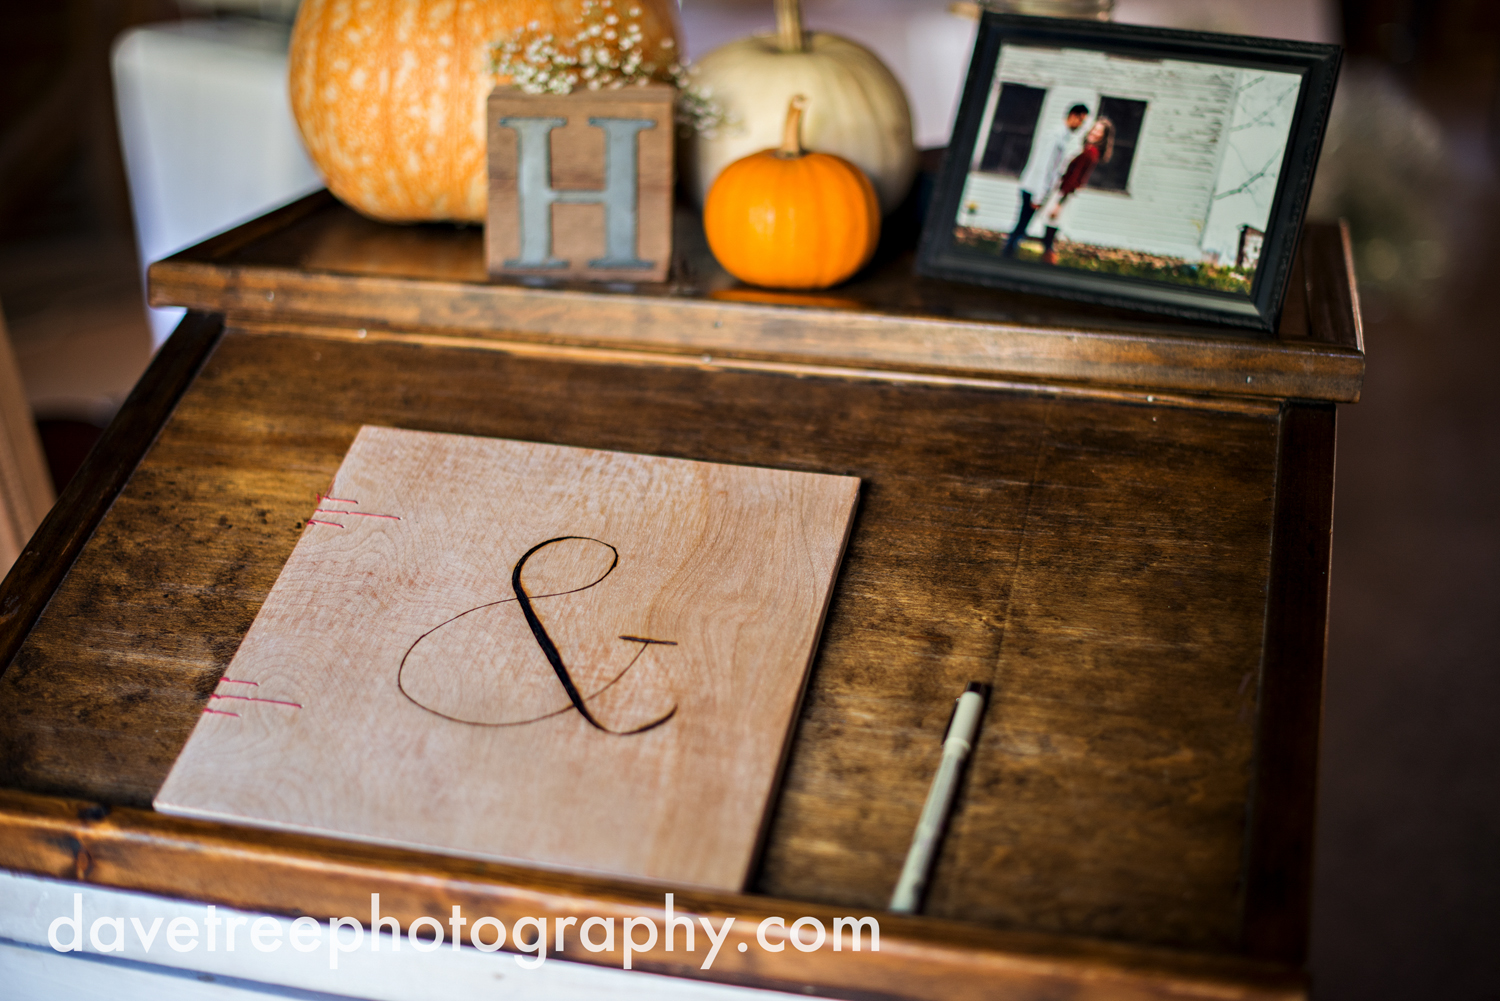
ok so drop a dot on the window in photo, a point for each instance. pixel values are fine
(1012, 130)
(1114, 174)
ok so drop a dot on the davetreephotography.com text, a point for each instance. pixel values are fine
(533, 939)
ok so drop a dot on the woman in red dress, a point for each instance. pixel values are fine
(1098, 147)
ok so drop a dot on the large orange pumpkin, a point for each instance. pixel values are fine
(390, 95)
(787, 218)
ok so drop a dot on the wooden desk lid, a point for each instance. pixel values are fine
(1141, 575)
(318, 259)
(1143, 583)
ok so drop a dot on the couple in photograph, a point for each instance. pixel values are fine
(1049, 172)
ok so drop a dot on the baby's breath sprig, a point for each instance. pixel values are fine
(606, 52)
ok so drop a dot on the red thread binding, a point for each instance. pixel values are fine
(330, 524)
(322, 496)
(358, 514)
(218, 712)
(236, 681)
(336, 500)
(247, 698)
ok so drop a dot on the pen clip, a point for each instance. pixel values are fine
(978, 688)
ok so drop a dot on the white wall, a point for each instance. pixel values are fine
(207, 132)
(927, 47)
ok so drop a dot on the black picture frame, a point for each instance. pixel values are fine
(942, 254)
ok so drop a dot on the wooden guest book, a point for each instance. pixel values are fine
(510, 650)
(1120, 523)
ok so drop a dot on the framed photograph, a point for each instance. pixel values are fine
(1159, 170)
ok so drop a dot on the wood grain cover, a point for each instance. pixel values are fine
(564, 656)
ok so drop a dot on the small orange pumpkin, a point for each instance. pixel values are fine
(787, 218)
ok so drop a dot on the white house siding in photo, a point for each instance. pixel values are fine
(1207, 157)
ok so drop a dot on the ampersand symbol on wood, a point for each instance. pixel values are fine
(577, 700)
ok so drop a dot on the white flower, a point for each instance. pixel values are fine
(604, 52)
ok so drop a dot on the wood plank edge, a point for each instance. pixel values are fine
(1329, 288)
(227, 242)
(1239, 366)
(259, 326)
(1351, 285)
(1279, 843)
(67, 527)
(919, 958)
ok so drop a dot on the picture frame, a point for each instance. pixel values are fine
(1206, 136)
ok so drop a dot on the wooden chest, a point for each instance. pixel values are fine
(1121, 524)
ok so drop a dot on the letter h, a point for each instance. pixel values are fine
(536, 194)
(673, 922)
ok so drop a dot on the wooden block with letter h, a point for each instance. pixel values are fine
(581, 184)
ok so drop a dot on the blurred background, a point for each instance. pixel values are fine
(131, 128)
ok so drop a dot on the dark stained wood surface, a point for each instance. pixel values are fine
(1103, 562)
(1328, 291)
(1129, 651)
(319, 260)
(1102, 568)
(1121, 523)
(1279, 864)
(62, 534)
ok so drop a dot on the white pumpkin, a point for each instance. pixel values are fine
(855, 108)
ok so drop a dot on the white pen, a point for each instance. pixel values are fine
(924, 843)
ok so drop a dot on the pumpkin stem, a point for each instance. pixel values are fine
(789, 36)
(791, 135)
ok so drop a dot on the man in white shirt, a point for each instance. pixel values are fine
(1043, 172)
